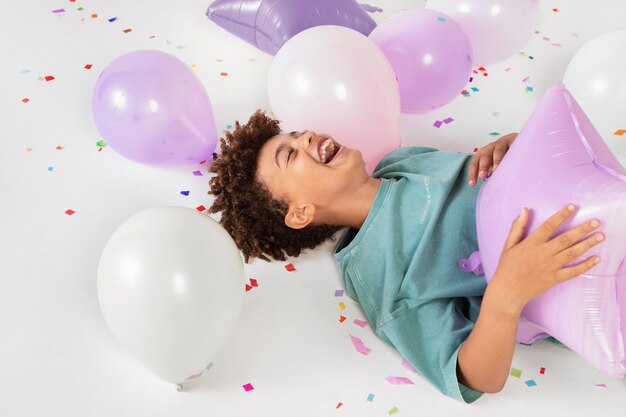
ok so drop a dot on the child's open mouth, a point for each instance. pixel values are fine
(327, 150)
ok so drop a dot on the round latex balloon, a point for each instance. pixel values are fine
(497, 29)
(268, 24)
(596, 76)
(151, 108)
(430, 55)
(170, 285)
(335, 80)
(559, 158)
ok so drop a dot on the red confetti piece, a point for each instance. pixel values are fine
(542, 371)
(290, 267)
(29, 149)
(201, 208)
(127, 30)
(69, 212)
(254, 282)
(339, 405)
(223, 74)
(475, 149)
(620, 132)
(342, 319)
(482, 69)
(88, 66)
(248, 287)
(202, 162)
(49, 78)
(25, 100)
(248, 387)
(555, 10)
(151, 37)
(59, 147)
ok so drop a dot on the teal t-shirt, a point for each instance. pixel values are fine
(402, 264)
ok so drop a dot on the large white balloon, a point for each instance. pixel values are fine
(497, 29)
(335, 80)
(596, 76)
(170, 285)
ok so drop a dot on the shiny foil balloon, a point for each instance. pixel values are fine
(268, 24)
(497, 29)
(171, 285)
(430, 55)
(559, 158)
(335, 80)
(151, 107)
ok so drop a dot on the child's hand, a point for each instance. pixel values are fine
(530, 266)
(487, 158)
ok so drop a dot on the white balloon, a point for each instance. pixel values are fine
(596, 76)
(170, 286)
(497, 29)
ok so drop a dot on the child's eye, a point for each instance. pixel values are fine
(289, 154)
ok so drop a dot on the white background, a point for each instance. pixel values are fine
(57, 356)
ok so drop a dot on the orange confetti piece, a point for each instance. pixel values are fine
(94, 16)
(290, 267)
(127, 30)
(342, 319)
(201, 208)
(59, 147)
(69, 212)
(223, 74)
(620, 132)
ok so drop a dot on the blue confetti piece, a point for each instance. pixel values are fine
(441, 19)
(50, 169)
(370, 397)
(229, 126)
(474, 89)
(113, 19)
(495, 114)
(185, 193)
(24, 71)
(180, 46)
(531, 383)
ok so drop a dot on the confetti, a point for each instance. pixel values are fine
(180, 46)
(338, 293)
(398, 380)
(248, 287)
(529, 89)
(197, 173)
(59, 147)
(48, 78)
(448, 120)
(59, 11)
(441, 19)
(555, 10)
(201, 208)
(113, 19)
(214, 156)
(88, 66)
(24, 71)
(601, 386)
(29, 149)
(495, 114)
(229, 126)
(531, 383)
(342, 319)
(342, 306)
(186, 193)
(394, 410)
(339, 405)
(50, 169)
(359, 345)
(437, 124)
(248, 387)
(370, 397)
(620, 132)
(127, 30)
(254, 283)
(516, 373)
(542, 371)
(290, 267)
(474, 89)
(360, 323)
(224, 74)
(25, 100)
(494, 134)
(69, 212)
(101, 143)
(408, 366)
(94, 16)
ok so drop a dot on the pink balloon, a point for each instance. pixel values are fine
(151, 108)
(430, 55)
(335, 80)
(559, 158)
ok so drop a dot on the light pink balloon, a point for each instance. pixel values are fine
(497, 29)
(430, 55)
(335, 80)
(559, 158)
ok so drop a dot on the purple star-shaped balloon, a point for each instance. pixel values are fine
(559, 158)
(268, 24)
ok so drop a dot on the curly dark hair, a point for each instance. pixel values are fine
(249, 213)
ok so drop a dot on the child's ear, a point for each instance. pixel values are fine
(298, 217)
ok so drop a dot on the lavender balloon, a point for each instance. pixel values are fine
(430, 55)
(268, 24)
(151, 108)
(559, 158)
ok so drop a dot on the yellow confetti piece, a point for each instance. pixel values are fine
(516, 373)
(342, 306)
(393, 411)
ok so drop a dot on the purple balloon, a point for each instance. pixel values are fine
(268, 24)
(559, 158)
(430, 55)
(151, 108)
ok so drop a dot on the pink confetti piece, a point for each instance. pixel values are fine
(248, 387)
(59, 11)
(339, 405)
(360, 323)
(408, 366)
(359, 345)
(437, 124)
(398, 380)
(197, 173)
(525, 79)
(448, 120)
(601, 386)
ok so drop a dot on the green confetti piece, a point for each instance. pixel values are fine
(530, 57)
(80, 9)
(101, 143)
(516, 373)
(394, 410)
(494, 134)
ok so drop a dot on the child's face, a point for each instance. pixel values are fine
(291, 166)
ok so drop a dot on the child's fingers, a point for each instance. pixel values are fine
(498, 154)
(576, 251)
(473, 170)
(484, 165)
(572, 236)
(545, 231)
(576, 270)
(517, 229)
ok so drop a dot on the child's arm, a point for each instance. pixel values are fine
(487, 158)
(527, 268)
